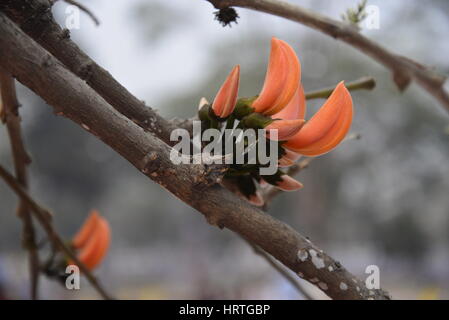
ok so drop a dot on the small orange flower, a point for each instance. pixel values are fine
(226, 98)
(92, 240)
(327, 128)
(281, 81)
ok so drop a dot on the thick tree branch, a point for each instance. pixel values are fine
(44, 217)
(404, 69)
(34, 18)
(21, 160)
(194, 184)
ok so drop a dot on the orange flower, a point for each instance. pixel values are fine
(226, 98)
(92, 240)
(327, 128)
(281, 81)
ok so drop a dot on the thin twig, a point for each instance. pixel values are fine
(21, 161)
(367, 83)
(85, 9)
(404, 69)
(42, 215)
(279, 268)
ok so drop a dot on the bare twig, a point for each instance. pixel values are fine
(281, 270)
(367, 83)
(85, 9)
(21, 160)
(404, 69)
(42, 215)
(195, 184)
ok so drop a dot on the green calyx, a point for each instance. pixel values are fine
(243, 107)
(256, 121)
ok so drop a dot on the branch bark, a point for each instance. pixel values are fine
(195, 184)
(404, 69)
(21, 160)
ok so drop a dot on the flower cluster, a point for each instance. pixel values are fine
(90, 244)
(280, 106)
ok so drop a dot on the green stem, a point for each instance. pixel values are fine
(367, 83)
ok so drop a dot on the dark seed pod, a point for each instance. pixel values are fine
(226, 16)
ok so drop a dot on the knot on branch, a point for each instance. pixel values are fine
(151, 165)
(85, 71)
(209, 176)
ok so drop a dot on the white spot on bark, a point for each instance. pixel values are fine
(330, 269)
(317, 261)
(314, 280)
(86, 127)
(302, 255)
(300, 274)
(343, 286)
(322, 286)
(358, 289)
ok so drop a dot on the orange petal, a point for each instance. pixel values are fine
(95, 249)
(281, 81)
(296, 108)
(256, 199)
(285, 128)
(327, 128)
(288, 184)
(226, 98)
(83, 235)
(288, 159)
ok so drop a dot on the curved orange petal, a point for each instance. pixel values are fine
(256, 199)
(281, 80)
(226, 98)
(95, 249)
(292, 81)
(288, 159)
(82, 236)
(288, 184)
(296, 108)
(285, 128)
(327, 128)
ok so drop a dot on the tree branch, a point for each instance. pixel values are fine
(21, 160)
(35, 18)
(195, 184)
(404, 69)
(43, 216)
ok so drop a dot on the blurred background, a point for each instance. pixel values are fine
(382, 200)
